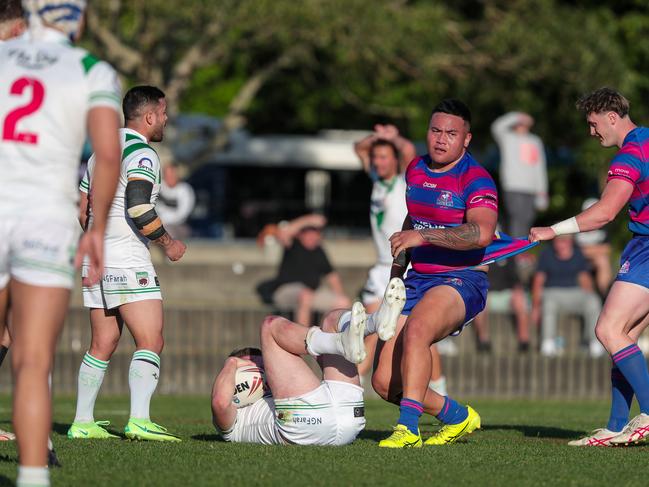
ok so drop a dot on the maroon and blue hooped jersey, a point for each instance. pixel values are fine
(441, 200)
(631, 163)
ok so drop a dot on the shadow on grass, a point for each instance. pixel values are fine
(374, 435)
(5, 481)
(532, 431)
(208, 437)
(8, 459)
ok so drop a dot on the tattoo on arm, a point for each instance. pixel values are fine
(163, 241)
(462, 237)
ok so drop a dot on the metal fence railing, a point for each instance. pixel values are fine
(198, 340)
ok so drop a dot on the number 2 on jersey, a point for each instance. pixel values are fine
(9, 131)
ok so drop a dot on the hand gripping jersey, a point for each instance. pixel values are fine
(387, 212)
(631, 163)
(441, 200)
(125, 245)
(47, 87)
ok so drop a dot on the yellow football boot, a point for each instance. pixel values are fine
(401, 437)
(450, 433)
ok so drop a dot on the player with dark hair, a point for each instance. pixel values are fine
(12, 19)
(129, 291)
(625, 314)
(447, 236)
(304, 410)
(53, 94)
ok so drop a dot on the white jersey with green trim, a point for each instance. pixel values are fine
(125, 245)
(47, 88)
(387, 212)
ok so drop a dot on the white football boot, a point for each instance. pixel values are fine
(634, 432)
(352, 338)
(387, 316)
(599, 437)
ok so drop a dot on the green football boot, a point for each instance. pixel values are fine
(93, 430)
(145, 429)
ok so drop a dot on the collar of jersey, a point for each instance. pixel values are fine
(426, 159)
(46, 34)
(136, 133)
(630, 135)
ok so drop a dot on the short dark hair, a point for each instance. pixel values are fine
(246, 351)
(11, 10)
(384, 143)
(453, 106)
(604, 100)
(139, 97)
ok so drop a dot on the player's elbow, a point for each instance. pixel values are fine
(484, 239)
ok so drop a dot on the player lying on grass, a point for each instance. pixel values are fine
(304, 410)
(625, 314)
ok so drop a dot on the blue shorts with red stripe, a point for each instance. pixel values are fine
(470, 284)
(634, 262)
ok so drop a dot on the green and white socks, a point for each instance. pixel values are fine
(91, 376)
(142, 380)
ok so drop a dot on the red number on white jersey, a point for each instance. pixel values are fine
(9, 131)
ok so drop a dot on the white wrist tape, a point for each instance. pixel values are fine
(566, 227)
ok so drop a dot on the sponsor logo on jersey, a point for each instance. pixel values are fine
(359, 411)
(41, 246)
(625, 267)
(142, 278)
(429, 185)
(419, 224)
(145, 163)
(37, 60)
(445, 199)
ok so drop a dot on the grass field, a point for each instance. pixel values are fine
(521, 443)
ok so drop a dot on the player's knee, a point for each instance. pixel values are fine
(380, 386)
(268, 323)
(417, 332)
(103, 348)
(603, 333)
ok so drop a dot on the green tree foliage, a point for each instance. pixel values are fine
(286, 66)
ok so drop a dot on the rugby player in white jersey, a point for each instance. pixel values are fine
(52, 94)
(129, 291)
(303, 409)
(12, 24)
(385, 155)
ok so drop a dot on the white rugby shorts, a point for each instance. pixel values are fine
(38, 251)
(333, 414)
(121, 286)
(377, 281)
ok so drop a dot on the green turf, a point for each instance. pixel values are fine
(521, 443)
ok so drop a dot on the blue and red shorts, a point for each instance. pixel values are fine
(472, 286)
(634, 262)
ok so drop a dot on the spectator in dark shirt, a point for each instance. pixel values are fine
(506, 295)
(306, 281)
(563, 283)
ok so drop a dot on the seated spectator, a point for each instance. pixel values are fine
(595, 247)
(175, 202)
(563, 283)
(506, 294)
(306, 281)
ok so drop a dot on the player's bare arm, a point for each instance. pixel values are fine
(103, 129)
(402, 259)
(223, 410)
(84, 206)
(615, 197)
(476, 233)
(142, 212)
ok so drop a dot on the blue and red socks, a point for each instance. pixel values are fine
(409, 413)
(452, 412)
(621, 397)
(633, 366)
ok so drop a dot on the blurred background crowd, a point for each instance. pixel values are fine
(267, 104)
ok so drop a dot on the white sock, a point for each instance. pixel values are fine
(91, 375)
(346, 318)
(438, 386)
(318, 342)
(143, 380)
(33, 476)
